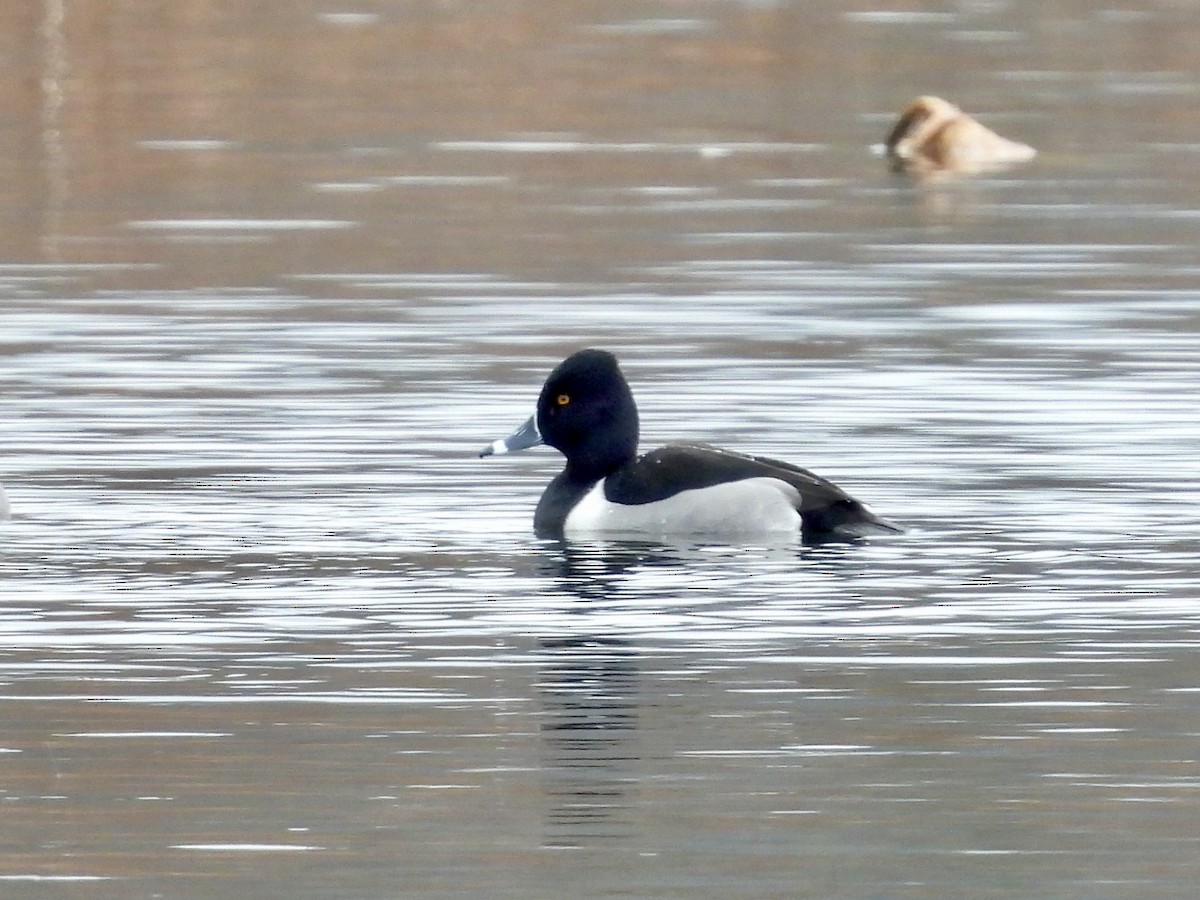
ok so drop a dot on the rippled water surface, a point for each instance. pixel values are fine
(271, 277)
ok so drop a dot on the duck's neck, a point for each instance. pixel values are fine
(590, 464)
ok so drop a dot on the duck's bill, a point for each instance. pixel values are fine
(524, 437)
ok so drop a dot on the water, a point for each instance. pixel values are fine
(271, 629)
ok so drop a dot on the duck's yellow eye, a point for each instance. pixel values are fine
(563, 399)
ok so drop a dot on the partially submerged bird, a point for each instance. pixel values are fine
(934, 136)
(587, 412)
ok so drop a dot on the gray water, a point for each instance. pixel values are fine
(270, 278)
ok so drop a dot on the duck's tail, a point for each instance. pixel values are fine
(844, 519)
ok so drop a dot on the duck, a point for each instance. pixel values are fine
(933, 136)
(587, 412)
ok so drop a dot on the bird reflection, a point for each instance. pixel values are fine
(608, 570)
(598, 570)
(589, 690)
(592, 685)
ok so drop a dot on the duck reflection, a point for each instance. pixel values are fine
(608, 570)
(597, 686)
(590, 691)
(599, 570)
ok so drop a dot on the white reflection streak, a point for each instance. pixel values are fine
(55, 157)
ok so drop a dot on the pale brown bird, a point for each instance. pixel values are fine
(934, 136)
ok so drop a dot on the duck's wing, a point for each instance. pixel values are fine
(824, 508)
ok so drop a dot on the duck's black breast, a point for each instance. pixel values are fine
(561, 495)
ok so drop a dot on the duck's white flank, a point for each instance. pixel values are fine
(750, 506)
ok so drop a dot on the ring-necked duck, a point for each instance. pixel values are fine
(587, 412)
(934, 136)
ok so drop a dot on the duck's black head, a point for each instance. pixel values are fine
(586, 411)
